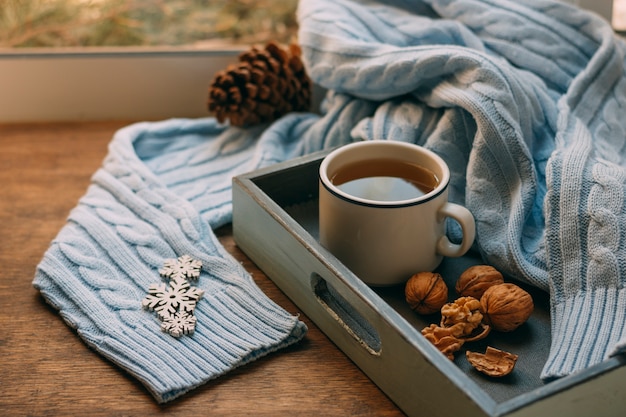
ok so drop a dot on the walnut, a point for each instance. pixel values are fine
(506, 306)
(462, 316)
(426, 292)
(443, 339)
(493, 362)
(476, 279)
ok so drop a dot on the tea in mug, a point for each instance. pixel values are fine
(385, 180)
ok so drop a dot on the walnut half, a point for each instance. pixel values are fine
(443, 339)
(463, 316)
(494, 362)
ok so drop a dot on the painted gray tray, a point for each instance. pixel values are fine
(275, 224)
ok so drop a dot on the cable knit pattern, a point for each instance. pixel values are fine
(525, 100)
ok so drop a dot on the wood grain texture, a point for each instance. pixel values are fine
(48, 371)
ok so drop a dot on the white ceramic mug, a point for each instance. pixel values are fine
(384, 242)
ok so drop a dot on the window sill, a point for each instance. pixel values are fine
(107, 83)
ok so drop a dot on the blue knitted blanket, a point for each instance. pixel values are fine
(525, 100)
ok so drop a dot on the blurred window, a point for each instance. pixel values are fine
(196, 23)
(201, 23)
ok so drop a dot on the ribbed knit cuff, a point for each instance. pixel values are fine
(586, 330)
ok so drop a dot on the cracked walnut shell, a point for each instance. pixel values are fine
(494, 362)
(426, 292)
(505, 307)
(475, 280)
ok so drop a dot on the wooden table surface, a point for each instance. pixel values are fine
(45, 368)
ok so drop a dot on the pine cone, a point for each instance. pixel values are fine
(264, 85)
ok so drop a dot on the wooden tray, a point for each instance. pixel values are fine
(275, 223)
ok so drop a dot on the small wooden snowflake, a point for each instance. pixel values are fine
(175, 302)
(181, 268)
(179, 324)
(179, 295)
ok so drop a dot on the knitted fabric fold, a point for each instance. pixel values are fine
(525, 101)
(161, 191)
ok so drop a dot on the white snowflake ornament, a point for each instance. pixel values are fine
(158, 299)
(179, 324)
(175, 303)
(181, 268)
(178, 296)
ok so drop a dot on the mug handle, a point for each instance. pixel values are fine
(463, 216)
